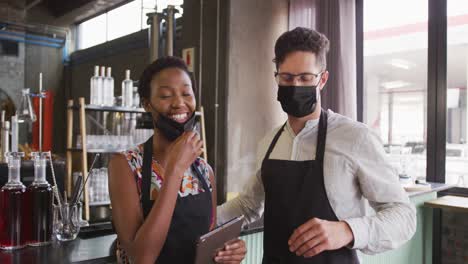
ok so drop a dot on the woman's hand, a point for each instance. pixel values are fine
(183, 152)
(233, 253)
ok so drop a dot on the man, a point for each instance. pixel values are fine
(318, 171)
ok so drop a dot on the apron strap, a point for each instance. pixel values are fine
(321, 137)
(273, 142)
(147, 174)
(200, 177)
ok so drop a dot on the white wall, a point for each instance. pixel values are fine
(253, 109)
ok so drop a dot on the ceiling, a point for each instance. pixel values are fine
(61, 12)
(59, 7)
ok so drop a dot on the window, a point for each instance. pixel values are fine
(8, 48)
(121, 21)
(456, 163)
(395, 80)
(92, 32)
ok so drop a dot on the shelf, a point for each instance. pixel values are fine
(99, 203)
(110, 109)
(97, 150)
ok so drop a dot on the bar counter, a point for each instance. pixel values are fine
(91, 250)
(100, 249)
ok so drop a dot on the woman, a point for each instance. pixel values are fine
(158, 218)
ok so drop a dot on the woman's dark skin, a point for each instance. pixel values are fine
(171, 95)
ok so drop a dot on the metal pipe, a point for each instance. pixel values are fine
(31, 42)
(40, 112)
(200, 56)
(154, 20)
(46, 28)
(33, 37)
(216, 105)
(170, 29)
(5, 139)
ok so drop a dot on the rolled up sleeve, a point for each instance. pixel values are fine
(394, 221)
(249, 203)
(251, 199)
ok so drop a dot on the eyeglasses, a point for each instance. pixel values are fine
(306, 78)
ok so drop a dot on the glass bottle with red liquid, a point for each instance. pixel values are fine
(12, 197)
(38, 204)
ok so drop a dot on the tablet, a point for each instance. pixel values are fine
(210, 243)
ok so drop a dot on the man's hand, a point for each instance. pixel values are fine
(233, 253)
(317, 235)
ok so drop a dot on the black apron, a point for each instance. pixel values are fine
(191, 218)
(294, 194)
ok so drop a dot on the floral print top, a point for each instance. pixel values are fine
(190, 184)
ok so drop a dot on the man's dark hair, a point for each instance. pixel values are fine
(144, 84)
(302, 39)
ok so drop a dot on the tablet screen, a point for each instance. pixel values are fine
(210, 243)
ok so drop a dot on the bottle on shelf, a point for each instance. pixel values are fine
(136, 97)
(12, 197)
(109, 88)
(127, 90)
(38, 204)
(101, 88)
(94, 87)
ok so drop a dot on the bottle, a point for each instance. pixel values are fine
(101, 88)
(94, 86)
(136, 97)
(12, 197)
(39, 204)
(109, 88)
(127, 90)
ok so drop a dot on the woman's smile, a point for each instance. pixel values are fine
(179, 117)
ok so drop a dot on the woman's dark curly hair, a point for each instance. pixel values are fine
(144, 84)
(302, 39)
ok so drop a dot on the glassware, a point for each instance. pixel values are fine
(101, 89)
(108, 88)
(93, 192)
(66, 223)
(136, 98)
(94, 87)
(25, 112)
(39, 204)
(12, 197)
(127, 90)
(104, 185)
(78, 141)
(81, 221)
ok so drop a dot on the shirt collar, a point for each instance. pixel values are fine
(309, 125)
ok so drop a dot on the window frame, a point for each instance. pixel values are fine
(436, 129)
(105, 12)
(436, 84)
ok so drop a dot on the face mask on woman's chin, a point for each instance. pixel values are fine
(170, 128)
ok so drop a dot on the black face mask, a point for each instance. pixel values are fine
(298, 101)
(172, 129)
